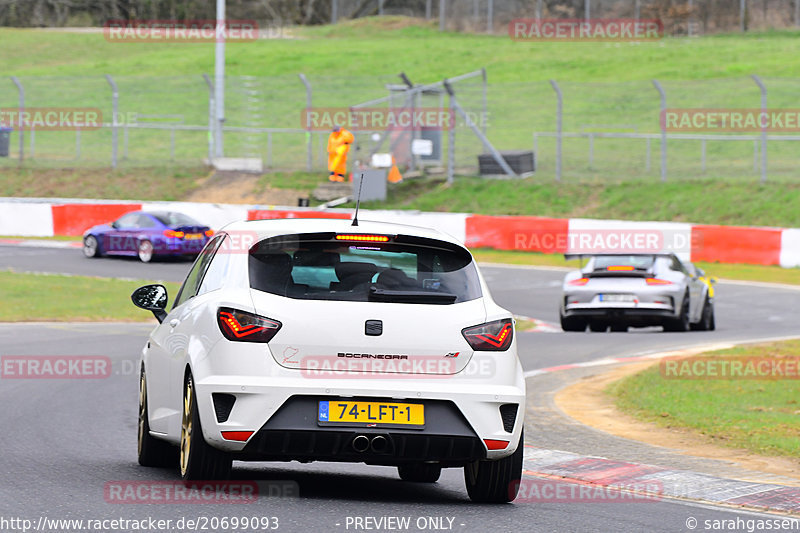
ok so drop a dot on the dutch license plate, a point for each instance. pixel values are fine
(367, 413)
(617, 298)
(193, 236)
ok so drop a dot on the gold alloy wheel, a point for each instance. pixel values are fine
(186, 425)
(142, 412)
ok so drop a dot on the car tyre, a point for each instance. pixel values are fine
(682, 322)
(598, 327)
(707, 322)
(198, 460)
(619, 328)
(495, 481)
(151, 451)
(573, 323)
(90, 246)
(420, 472)
(145, 251)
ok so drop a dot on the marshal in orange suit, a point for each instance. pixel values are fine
(339, 143)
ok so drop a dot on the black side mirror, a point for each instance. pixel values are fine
(115, 225)
(152, 298)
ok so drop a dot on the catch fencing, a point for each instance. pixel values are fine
(577, 130)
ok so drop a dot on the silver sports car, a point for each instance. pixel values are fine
(638, 290)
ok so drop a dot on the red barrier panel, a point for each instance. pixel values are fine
(530, 234)
(269, 214)
(74, 219)
(734, 244)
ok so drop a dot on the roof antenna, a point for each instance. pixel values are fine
(358, 200)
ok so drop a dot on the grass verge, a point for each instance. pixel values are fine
(764, 273)
(757, 415)
(59, 298)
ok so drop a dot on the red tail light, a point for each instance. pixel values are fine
(579, 282)
(656, 281)
(246, 327)
(210, 233)
(492, 444)
(490, 337)
(173, 233)
(239, 436)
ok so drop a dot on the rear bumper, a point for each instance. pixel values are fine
(623, 315)
(293, 433)
(282, 414)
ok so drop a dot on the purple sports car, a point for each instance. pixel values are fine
(146, 235)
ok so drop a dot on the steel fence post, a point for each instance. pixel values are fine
(649, 151)
(591, 150)
(211, 107)
(485, 118)
(763, 89)
(334, 11)
(742, 9)
(797, 12)
(663, 95)
(380, 8)
(490, 17)
(21, 130)
(703, 153)
(309, 95)
(114, 115)
(538, 9)
(442, 13)
(689, 20)
(636, 10)
(451, 141)
(587, 9)
(559, 124)
(428, 9)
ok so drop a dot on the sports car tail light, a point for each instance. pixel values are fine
(246, 327)
(362, 238)
(173, 233)
(656, 281)
(619, 268)
(490, 337)
(579, 282)
(210, 233)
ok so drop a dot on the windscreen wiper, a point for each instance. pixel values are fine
(415, 297)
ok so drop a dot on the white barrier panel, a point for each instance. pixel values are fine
(625, 236)
(790, 248)
(26, 219)
(454, 224)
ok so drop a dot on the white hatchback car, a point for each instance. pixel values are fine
(317, 340)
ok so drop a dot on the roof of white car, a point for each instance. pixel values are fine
(285, 226)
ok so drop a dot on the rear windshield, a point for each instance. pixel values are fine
(641, 262)
(403, 270)
(175, 219)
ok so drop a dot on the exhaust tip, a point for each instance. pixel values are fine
(379, 444)
(360, 443)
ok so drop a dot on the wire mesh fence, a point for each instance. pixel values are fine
(608, 130)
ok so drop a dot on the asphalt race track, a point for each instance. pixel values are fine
(64, 441)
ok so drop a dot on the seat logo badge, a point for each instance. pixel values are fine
(373, 327)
